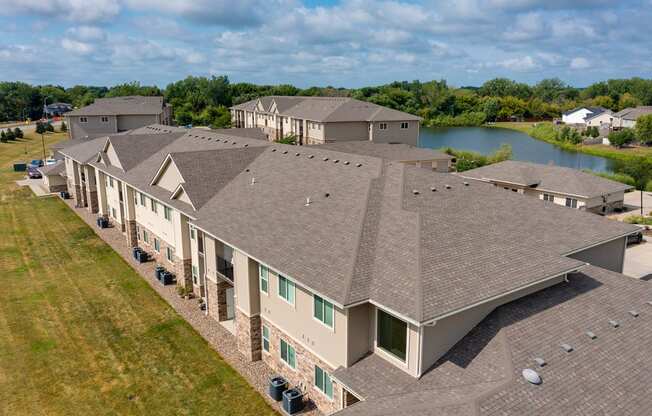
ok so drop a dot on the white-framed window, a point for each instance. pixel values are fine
(114, 213)
(146, 236)
(391, 335)
(288, 354)
(263, 273)
(83, 120)
(111, 182)
(323, 311)
(548, 197)
(195, 274)
(157, 245)
(169, 254)
(135, 198)
(104, 119)
(286, 289)
(192, 233)
(154, 207)
(323, 382)
(405, 125)
(265, 338)
(571, 202)
(143, 200)
(382, 126)
(138, 232)
(167, 213)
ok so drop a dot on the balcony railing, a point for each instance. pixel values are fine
(224, 267)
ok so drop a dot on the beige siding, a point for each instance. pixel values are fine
(247, 292)
(113, 157)
(411, 363)
(610, 256)
(94, 127)
(156, 221)
(360, 335)
(113, 199)
(336, 132)
(170, 178)
(129, 122)
(394, 133)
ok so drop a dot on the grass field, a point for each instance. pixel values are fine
(82, 334)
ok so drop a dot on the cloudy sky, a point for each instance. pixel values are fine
(346, 43)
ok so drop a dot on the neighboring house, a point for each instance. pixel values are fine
(603, 120)
(56, 109)
(416, 156)
(114, 115)
(53, 177)
(580, 114)
(563, 186)
(361, 279)
(627, 118)
(317, 120)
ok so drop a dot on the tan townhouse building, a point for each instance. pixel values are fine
(379, 287)
(318, 120)
(556, 184)
(118, 114)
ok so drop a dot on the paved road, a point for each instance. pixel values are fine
(633, 204)
(638, 260)
(29, 127)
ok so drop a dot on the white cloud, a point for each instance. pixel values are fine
(86, 33)
(523, 64)
(76, 10)
(580, 63)
(77, 47)
(528, 26)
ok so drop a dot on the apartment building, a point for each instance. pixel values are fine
(562, 186)
(318, 120)
(380, 287)
(118, 114)
(626, 118)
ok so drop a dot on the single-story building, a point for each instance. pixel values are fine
(580, 114)
(53, 177)
(603, 119)
(560, 185)
(627, 118)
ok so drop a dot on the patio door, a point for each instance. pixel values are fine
(230, 303)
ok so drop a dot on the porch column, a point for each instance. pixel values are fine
(130, 214)
(247, 311)
(100, 181)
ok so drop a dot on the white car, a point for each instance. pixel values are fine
(50, 162)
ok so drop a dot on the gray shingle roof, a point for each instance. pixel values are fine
(634, 113)
(130, 105)
(54, 169)
(481, 375)
(399, 152)
(132, 149)
(85, 150)
(551, 178)
(593, 110)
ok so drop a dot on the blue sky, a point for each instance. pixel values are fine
(347, 43)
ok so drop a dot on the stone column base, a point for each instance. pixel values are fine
(132, 235)
(183, 272)
(248, 335)
(93, 206)
(216, 293)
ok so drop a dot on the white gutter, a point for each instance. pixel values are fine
(599, 243)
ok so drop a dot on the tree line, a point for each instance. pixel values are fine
(203, 100)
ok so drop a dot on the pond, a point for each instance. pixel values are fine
(486, 140)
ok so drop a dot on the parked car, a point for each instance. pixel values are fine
(33, 172)
(636, 238)
(50, 162)
(36, 163)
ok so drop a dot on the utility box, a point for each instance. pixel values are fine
(292, 401)
(277, 385)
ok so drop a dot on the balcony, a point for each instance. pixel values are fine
(224, 268)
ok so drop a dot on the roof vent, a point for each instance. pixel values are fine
(285, 152)
(531, 376)
(253, 181)
(326, 195)
(307, 201)
(297, 154)
(246, 145)
(447, 186)
(591, 335)
(311, 156)
(234, 142)
(649, 302)
(325, 159)
(466, 183)
(566, 347)
(346, 162)
(336, 161)
(433, 189)
(613, 323)
(540, 362)
(415, 191)
(634, 314)
(358, 165)
(273, 150)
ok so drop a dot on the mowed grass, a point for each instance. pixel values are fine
(82, 334)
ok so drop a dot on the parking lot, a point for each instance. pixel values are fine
(638, 260)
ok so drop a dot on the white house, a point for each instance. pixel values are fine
(580, 114)
(603, 119)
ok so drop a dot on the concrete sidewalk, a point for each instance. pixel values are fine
(638, 260)
(36, 186)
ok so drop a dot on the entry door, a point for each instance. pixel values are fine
(230, 304)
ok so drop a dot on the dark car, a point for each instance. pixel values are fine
(33, 172)
(636, 238)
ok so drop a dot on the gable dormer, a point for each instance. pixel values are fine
(168, 176)
(260, 107)
(180, 194)
(110, 156)
(273, 107)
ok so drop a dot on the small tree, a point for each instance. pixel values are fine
(49, 127)
(644, 129)
(18, 133)
(40, 128)
(288, 139)
(595, 131)
(3, 136)
(64, 127)
(622, 137)
(10, 135)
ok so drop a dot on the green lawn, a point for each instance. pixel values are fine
(82, 334)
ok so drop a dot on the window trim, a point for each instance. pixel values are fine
(83, 119)
(403, 362)
(325, 376)
(406, 124)
(143, 199)
(288, 347)
(153, 206)
(169, 254)
(192, 233)
(167, 213)
(324, 302)
(265, 279)
(264, 339)
(157, 245)
(382, 126)
(548, 197)
(294, 290)
(146, 237)
(104, 119)
(569, 202)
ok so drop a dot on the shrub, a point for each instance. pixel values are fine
(644, 129)
(18, 133)
(40, 128)
(622, 137)
(594, 131)
(3, 136)
(466, 160)
(618, 177)
(648, 187)
(638, 219)
(49, 127)
(10, 135)
(288, 139)
(64, 127)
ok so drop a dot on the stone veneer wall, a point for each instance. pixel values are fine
(183, 272)
(131, 233)
(248, 335)
(304, 375)
(91, 198)
(75, 191)
(216, 293)
(177, 266)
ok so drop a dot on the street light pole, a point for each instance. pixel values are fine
(43, 143)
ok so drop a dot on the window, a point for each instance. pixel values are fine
(114, 214)
(167, 213)
(154, 207)
(288, 355)
(169, 254)
(192, 233)
(392, 335)
(263, 273)
(323, 382)
(83, 120)
(571, 202)
(146, 236)
(138, 233)
(405, 125)
(135, 198)
(104, 119)
(548, 197)
(143, 200)
(111, 182)
(323, 311)
(382, 126)
(265, 338)
(195, 274)
(286, 289)
(157, 245)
